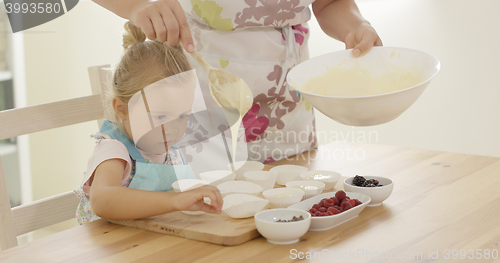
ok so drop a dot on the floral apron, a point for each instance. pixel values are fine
(144, 174)
(259, 41)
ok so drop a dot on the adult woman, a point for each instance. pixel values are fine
(259, 41)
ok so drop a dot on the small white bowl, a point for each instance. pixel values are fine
(329, 178)
(244, 166)
(239, 187)
(283, 197)
(242, 205)
(266, 179)
(288, 172)
(320, 223)
(218, 176)
(377, 194)
(310, 187)
(282, 233)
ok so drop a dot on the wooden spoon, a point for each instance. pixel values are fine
(227, 89)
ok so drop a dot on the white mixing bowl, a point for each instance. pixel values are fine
(365, 110)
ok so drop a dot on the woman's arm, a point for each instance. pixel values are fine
(342, 20)
(159, 19)
(110, 200)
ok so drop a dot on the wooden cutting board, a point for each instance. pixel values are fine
(217, 229)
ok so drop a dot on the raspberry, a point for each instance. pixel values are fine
(327, 204)
(333, 210)
(315, 206)
(352, 202)
(335, 200)
(357, 202)
(340, 195)
(346, 206)
(312, 210)
(322, 209)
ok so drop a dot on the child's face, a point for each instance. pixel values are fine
(166, 122)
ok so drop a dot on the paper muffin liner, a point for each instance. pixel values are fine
(217, 177)
(288, 172)
(239, 187)
(243, 205)
(329, 182)
(187, 184)
(245, 166)
(308, 193)
(283, 197)
(266, 179)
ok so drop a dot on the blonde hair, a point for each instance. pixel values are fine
(143, 63)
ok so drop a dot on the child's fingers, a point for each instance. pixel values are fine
(214, 194)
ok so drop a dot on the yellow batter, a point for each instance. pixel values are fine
(358, 81)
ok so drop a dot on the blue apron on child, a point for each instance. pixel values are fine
(148, 176)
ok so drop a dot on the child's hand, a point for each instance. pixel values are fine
(192, 200)
(163, 20)
(362, 39)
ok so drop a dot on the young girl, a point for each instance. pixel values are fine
(123, 180)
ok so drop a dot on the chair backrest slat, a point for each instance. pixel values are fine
(46, 116)
(44, 212)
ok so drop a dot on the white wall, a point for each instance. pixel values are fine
(57, 55)
(460, 110)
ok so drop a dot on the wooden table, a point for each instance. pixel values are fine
(443, 204)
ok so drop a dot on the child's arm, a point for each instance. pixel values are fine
(110, 200)
(342, 20)
(160, 19)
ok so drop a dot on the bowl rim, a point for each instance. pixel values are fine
(308, 181)
(281, 188)
(361, 206)
(336, 175)
(277, 167)
(306, 218)
(372, 177)
(438, 67)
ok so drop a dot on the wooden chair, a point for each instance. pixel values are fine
(45, 212)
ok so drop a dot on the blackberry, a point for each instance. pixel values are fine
(358, 180)
(368, 183)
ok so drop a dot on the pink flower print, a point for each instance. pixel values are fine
(269, 160)
(254, 126)
(299, 37)
(301, 28)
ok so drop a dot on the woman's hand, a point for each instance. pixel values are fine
(362, 39)
(192, 200)
(163, 20)
(342, 20)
